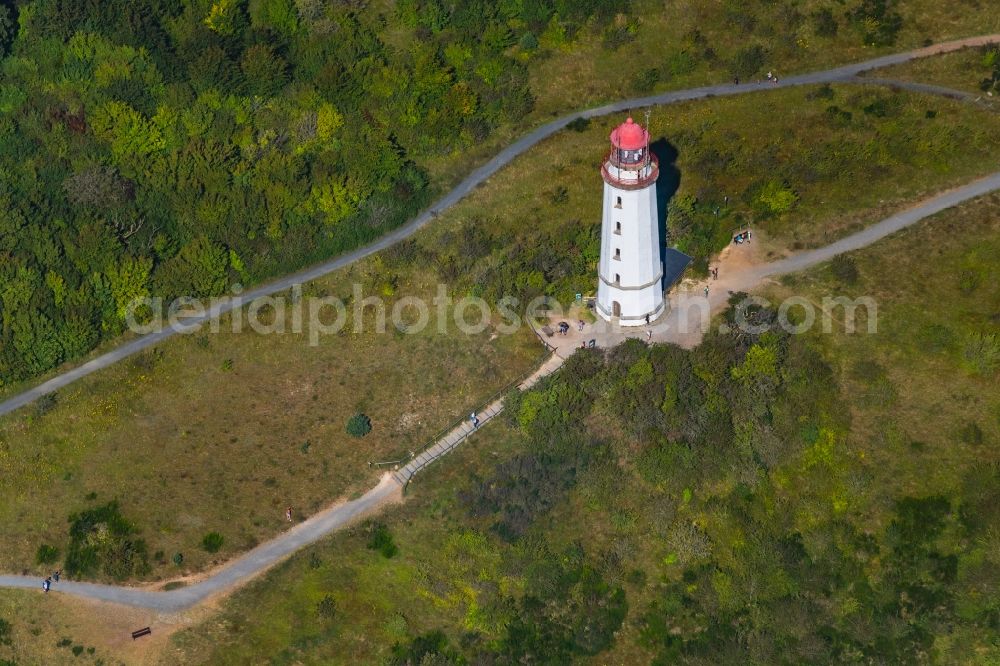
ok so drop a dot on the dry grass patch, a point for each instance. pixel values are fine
(219, 433)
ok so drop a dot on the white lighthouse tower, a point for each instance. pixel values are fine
(630, 273)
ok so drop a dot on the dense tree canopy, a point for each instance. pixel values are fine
(154, 147)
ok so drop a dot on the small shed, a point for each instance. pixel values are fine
(674, 263)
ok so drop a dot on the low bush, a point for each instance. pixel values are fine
(971, 434)
(981, 353)
(646, 80)
(748, 61)
(327, 607)
(46, 404)
(102, 539)
(46, 554)
(212, 542)
(359, 425)
(380, 539)
(844, 268)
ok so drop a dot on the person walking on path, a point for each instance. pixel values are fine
(706, 291)
(46, 584)
(288, 514)
(475, 419)
(56, 574)
(649, 335)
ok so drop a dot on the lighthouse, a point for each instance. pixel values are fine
(630, 272)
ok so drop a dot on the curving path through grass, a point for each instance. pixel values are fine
(845, 73)
(256, 561)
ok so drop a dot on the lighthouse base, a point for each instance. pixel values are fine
(629, 307)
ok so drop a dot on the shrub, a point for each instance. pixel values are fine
(430, 648)
(867, 370)
(935, 338)
(646, 80)
(579, 124)
(46, 404)
(327, 607)
(920, 519)
(841, 117)
(844, 269)
(178, 559)
(747, 61)
(47, 554)
(876, 21)
(5, 632)
(824, 23)
(969, 279)
(380, 539)
(77, 650)
(971, 434)
(825, 91)
(102, 539)
(679, 63)
(359, 425)
(212, 542)
(981, 353)
(774, 198)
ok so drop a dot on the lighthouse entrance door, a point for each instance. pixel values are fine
(616, 308)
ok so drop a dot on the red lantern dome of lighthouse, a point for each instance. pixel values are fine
(629, 136)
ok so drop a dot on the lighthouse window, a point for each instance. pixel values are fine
(618, 228)
(618, 203)
(618, 253)
(618, 278)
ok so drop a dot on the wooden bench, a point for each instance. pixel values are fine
(145, 631)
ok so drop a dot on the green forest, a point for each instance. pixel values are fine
(153, 147)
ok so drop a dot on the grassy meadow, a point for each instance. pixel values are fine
(963, 70)
(691, 44)
(220, 432)
(864, 531)
(63, 630)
